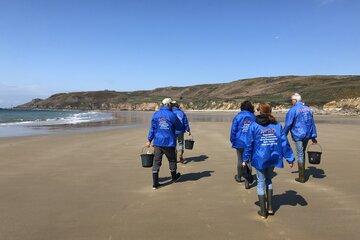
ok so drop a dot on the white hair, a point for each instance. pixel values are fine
(296, 97)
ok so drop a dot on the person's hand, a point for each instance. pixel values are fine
(189, 133)
(291, 165)
(314, 141)
(148, 144)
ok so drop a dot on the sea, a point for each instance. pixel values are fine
(18, 122)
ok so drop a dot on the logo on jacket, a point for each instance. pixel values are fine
(163, 124)
(268, 137)
(246, 125)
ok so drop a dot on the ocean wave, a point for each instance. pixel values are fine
(74, 118)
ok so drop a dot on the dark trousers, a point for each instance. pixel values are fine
(170, 155)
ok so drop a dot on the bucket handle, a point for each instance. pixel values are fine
(191, 137)
(313, 144)
(142, 150)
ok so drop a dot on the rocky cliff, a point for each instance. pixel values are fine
(337, 92)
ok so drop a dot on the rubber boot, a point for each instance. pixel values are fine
(181, 157)
(262, 212)
(156, 183)
(239, 174)
(269, 197)
(301, 178)
(247, 184)
(175, 176)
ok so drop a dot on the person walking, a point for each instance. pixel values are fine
(239, 128)
(180, 134)
(300, 122)
(265, 148)
(164, 124)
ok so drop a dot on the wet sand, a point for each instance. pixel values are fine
(92, 186)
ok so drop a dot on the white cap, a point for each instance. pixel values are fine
(296, 97)
(166, 101)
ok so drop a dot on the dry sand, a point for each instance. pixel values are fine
(92, 186)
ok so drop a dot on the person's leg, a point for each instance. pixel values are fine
(171, 156)
(261, 192)
(301, 163)
(239, 161)
(180, 147)
(158, 153)
(305, 143)
(269, 189)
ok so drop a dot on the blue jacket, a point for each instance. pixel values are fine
(300, 121)
(267, 146)
(183, 119)
(239, 128)
(164, 123)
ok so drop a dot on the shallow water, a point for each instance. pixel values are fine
(136, 118)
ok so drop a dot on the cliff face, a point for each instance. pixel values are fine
(316, 91)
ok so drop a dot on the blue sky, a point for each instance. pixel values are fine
(57, 46)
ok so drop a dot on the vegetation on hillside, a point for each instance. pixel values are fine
(316, 90)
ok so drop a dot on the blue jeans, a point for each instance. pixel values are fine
(300, 150)
(264, 180)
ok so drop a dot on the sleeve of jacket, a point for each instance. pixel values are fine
(313, 128)
(152, 129)
(177, 123)
(286, 149)
(289, 120)
(249, 144)
(233, 130)
(186, 123)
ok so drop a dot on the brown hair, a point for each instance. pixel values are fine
(265, 110)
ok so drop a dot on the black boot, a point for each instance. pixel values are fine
(239, 174)
(175, 176)
(301, 178)
(269, 201)
(247, 184)
(156, 183)
(262, 212)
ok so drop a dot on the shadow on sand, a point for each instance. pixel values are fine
(290, 198)
(313, 172)
(195, 176)
(200, 158)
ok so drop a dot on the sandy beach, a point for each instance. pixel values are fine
(91, 186)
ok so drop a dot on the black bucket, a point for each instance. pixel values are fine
(147, 159)
(189, 144)
(314, 156)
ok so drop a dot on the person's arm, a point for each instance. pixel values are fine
(186, 124)
(233, 130)
(249, 144)
(286, 149)
(177, 123)
(151, 134)
(313, 134)
(289, 121)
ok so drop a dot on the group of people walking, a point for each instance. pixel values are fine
(260, 142)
